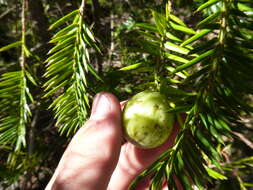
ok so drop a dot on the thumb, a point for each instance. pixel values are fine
(93, 153)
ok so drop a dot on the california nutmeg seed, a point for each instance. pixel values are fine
(146, 121)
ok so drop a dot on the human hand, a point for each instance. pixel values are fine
(97, 159)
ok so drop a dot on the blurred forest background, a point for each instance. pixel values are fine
(56, 55)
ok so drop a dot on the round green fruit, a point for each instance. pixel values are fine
(146, 121)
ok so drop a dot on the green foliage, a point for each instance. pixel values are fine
(13, 45)
(214, 70)
(15, 113)
(67, 70)
(13, 95)
(197, 53)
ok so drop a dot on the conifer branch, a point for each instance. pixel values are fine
(208, 119)
(15, 112)
(67, 70)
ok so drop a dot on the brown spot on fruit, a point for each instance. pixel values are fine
(156, 107)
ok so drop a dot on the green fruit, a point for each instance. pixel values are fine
(146, 121)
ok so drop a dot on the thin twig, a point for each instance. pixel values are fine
(59, 8)
(23, 21)
(244, 139)
(7, 12)
(82, 8)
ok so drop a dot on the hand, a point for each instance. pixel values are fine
(95, 159)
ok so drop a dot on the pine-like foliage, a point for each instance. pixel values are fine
(202, 61)
(67, 69)
(14, 101)
(15, 111)
(208, 75)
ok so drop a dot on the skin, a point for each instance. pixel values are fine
(97, 158)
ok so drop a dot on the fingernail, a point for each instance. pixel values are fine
(101, 106)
